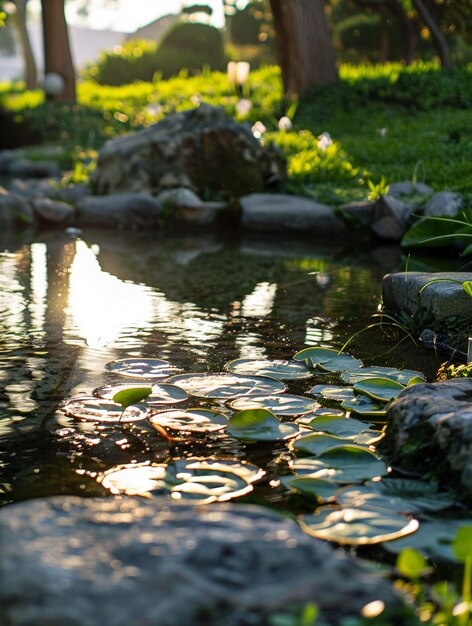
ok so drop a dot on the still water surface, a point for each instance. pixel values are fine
(70, 305)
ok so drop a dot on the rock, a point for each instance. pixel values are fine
(120, 209)
(27, 168)
(179, 198)
(202, 149)
(34, 188)
(283, 214)
(7, 157)
(444, 203)
(357, 214)
(439, 300)
(391, 218)
(430, 432)
(53, 210)
(74, 193)
(408, 188)
(122, 561)
(14, 210)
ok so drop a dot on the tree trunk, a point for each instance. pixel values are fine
(408, 27)
(57, 53)
(19, 22)
(438, 37)
(304, 46)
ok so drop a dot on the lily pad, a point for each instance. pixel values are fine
(191, 420)
(141, 368)
(281, 369)
(199, 480)
(260, 425)
(226, 386)
(363, 405)
(317, 443)
(321, 490)
(135, 480)
(399, 376)
(163, 393)
(284, 404)
(357, 526)
(327, 359)
(434, 538)
(397, 494)
(94, 409)
(336, 393)
(339, 426)
(381, 389)
(344, 465)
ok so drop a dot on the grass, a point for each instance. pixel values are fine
(388, 123)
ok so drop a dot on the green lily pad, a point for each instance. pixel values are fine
(321, 490)
(333, 392)
(260, 425)
(141, 368)
(381, 389)
(90, 408)
(247, 471)
(191, 420)
(327, 359)
(164, 393)
(281, 369)
(399, 376)
(226, 386)
(339, 426)
(363, 405)
(357, 526)
(317, 443)
(284, 404)
(434, 538)
(344, 465)
(397, 494)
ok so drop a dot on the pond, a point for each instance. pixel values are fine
(72, 303)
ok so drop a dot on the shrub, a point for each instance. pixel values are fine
(136, 60)
(191, 46)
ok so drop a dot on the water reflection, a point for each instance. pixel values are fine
(68, 307)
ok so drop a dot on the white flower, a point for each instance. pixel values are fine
(324, 141)
(258, 130)
(285, 123)
(243, 106)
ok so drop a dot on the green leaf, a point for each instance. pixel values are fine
(439, 231)
(260, 425)
(161, 394)
(411, 563)
(400, 376)
(321, 490)
(317, 443)
(327, 359)
(333, 392)
(462, 544)
(133, 395)
(363, 405)
(382, 389)
(339, 426)
(467, 286)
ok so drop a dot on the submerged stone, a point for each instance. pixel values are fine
(91, 562)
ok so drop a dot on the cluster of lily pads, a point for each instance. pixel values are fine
(333, 458)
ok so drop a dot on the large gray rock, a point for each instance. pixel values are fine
(444, 203)
(116, 562)
(440, 300)
(202, 149)
(133, 210)
(391, 218)
(430, 432)
(283, 214)
(28, 168)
